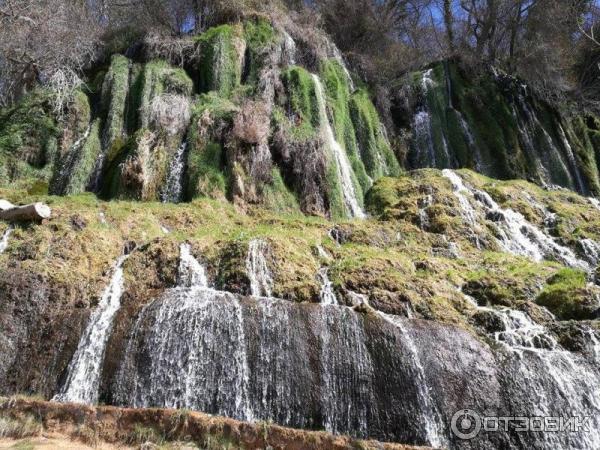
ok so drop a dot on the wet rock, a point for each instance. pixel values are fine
(340, 234)
(489, 321)
(78, 223)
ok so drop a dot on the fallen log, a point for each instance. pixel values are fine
(34, 211)
(5, 205)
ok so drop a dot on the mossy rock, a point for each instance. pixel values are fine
(207, 174)
(375, 150)
(222, 51)
(29, 136)
(302, 121)
(115, 90)
(567, 296)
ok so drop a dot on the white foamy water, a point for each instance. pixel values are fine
(424, 138)
(4, 240)
(573, 377)
(326, 295)
(595, 202)
(191, 272)
(515, 234)
(344, 168)
(430, 415)
(257, 269)
(85, 369)
(174, 187)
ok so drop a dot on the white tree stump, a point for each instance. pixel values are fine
(34, 211)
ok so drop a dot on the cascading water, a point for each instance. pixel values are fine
(345, 396)
(518, 330)
(344, 169)
(337, 56)
(289, 49)
(421, 126)
(425, 150)
(257, 269)
(473, 147)
(174, 186)
(574, 165)
(595, 202)
(423, 204)
(61, 181)
(4, 240)
(532, 348)
(516, 234)
(431, 417)
(191, 272)
(591, 250)
(326, 295)
(552, 165)
(85, 369)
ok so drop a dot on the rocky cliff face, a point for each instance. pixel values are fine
(252, 117)
(494, 124)
(251, 246)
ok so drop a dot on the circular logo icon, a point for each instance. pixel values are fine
(466, 424)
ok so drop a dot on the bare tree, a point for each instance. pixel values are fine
(44, 41)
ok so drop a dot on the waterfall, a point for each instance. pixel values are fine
(518, 330)
(208, 350)
(4, 240)
(322, 253)
(289, 49)
(424, 139)
(196, 350)
(430, 415)
(572, 161)
(344, 168)
(460, 192)
(422, 204)
(553, 157)
(591, 250)
(337, 56)
(346, 394)
(85, 369)
(595, 202)
(191, 272)
(531, 345)
(326, 295)
(259, 274)
(516, 234)
(61, 183)
(174, 186)
(472, 144)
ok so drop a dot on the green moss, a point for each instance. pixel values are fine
(382, 196)
(28, 138)
(337, 92)
(72, 172)
(587, 151)
(114, 99)
(277, 196)
(375, 150)
(221, 54)
(137, 168)
(157, 78)
(260, 37)
(206, 174)
(566, 296)
(302, 121)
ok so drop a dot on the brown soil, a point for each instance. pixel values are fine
(69, 426)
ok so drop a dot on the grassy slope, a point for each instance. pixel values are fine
(388, 257)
